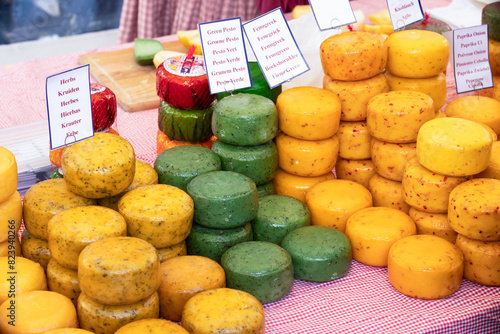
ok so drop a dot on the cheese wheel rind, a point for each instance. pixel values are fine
(29, 276)
(494, 56)
(151, 326)
(354, 141)
(8, 173)
(493, 169)
(390, 159)
(63, 280)
(11, 246)
(35, 249)
(297, 186)
(490, 16)
(266, 189)
(434, 224)
(387, 193)
(360, 171)
(172, 251)
(480, 109)
(11, 215)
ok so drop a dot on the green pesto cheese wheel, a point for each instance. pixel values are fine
(223, 199)
(245, 119)
(179, 165)
(261, 268)
(491, 17)
(319, 253)
(258, 162)
(266, 189)
(212, 242)
(278, 215)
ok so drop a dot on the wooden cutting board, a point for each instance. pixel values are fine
(134, 85)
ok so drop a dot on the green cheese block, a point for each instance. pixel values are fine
(212, 243)
(266, 189)
(319, 253)
(223, 199)
(491, 16)
(145, 50)
(258, 162)
(261, 268)
(179, 165)
(245, 120)
(278, 215)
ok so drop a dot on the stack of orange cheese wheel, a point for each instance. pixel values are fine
(10, 205)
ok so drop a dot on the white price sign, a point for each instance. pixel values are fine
(404, 12)
(332, 14)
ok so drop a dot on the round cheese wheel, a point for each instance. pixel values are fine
(183, 277)
(8, 173)
(354, 95)
(332, 202)
(494, 56)
(206, 312)
(151, 326)
(258, 162)
(360, 171)
(309, 113)
(11, 215)
(493, 169)
(160, 214)
(35, 249)
(260, 268)
(387, 193)
(372, 232)
(390, 159)
(163, 143)
(109, 172)
(223, 199)
(473, 209)
(297, 186)
(417, 53)
(354, 141)
(68, 331)
(53, 311)
(490, 15)
(434, 224)
(397, 116)
(119, 270)
(353, 55)
(166, 253)
(454, 146)
(425, 267)
(490, 92)
(480, 109)
(266, 188)
(307, 157)
(63, 280)
(72, 230)
(104, 107)
(29, 276)
(319, 253)
(245, 119)
(11, 246)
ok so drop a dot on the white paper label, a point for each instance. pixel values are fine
(275, 48)
(404, 12)
(225, 55)
(332, 14)
(69, 107)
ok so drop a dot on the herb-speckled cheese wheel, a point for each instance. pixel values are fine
(245, 119)
(172, 251)
(425, 267)
(183, 277)
(319, 253)
(43, 200)
(353, 55)
(11, 214)
(266, 189)
(70, 231)
(433, 224)
(387, 193)
(152, 326)
(354, 141)
(109, 172)
(260, 268)
(490, 15)
(223, 199)
(30, 276)
(207, 312)
(10, 246)
(309, 113)
(480, 109)
(494, 56)
(297, 186)
(454, 146)
(417, 53)
(360, 171)
(493, 169)
(397, 116)
(119, 270)
(160, 214)
(390, 159)
(8, 173)
(63, 280)
(35, 249)
(258, 162)
(354, 95)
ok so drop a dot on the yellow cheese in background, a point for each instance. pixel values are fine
(30, 276)
(161, 56)
(297, 186)
(417, 53)
(359, 171)
(152, 326)
(34, 249)
(8, 173)
(372, 232)
(309, 113)
(10, 247)
(493, 169)
(494, 55)
(11, 215)
(387, 193)
(454, 146)
(390, 159)
(480, 109)
(354, 95)
(425, 267)
(354, 141)
(490, 92)
(63, 280)
(496, 92)
(172, 251)
(494, 136)
(433, 224)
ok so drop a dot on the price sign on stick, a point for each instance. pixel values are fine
(332, 14)
(69, 107)
(404, 12)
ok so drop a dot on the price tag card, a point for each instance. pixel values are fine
(471, 59)
(404, 12)
(275, 48)
(225, 55)
(332, 14)
(69, 107)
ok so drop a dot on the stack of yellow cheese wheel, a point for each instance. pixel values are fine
(10, 205)
(490, 16)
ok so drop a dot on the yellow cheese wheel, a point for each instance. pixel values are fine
(183, 277)
(354, 141)
(43, 200)
(63, 280)
(152, 326)
(107, 319)
(494, 55)
(417, 53)
(425, 190)
(480, 109)
(109, 172)
(360, 171)
(482, 260)
(434, 86)
(11, 215)
(397, 116)
(372, 232)
(10, 246)
(35, 249)
(308, 113)
(160, 214)
(489, 92)
(297, 186)
(493, 169)
(433, 224)
(390, 159)
(8, 173)
(70, 231)
(387, 193)
(353, 55)
(474, 210)
(29, 276)
(494, 136)
(496, 92)
(332, 202)
(68, 331)
(454, 146)
(207, 313)
(354, 95)
(307, 157)
(172, 251)
(37, 312)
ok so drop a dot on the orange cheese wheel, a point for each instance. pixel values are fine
(172, 251)
(490, 92)
(354, 141)
(493, 169)
(10, 246)
(29, 276)
(387, 193)
(164, 143)
(34, 249)
(11, 215)
(480, 109)
(68, 331)
(332, 202)
(297, 186)
(360, 171)
(494, 53)
(8, 173)
(308, 113)
(433, 224)
(152, 326)
(390, 159)
(63, 280)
